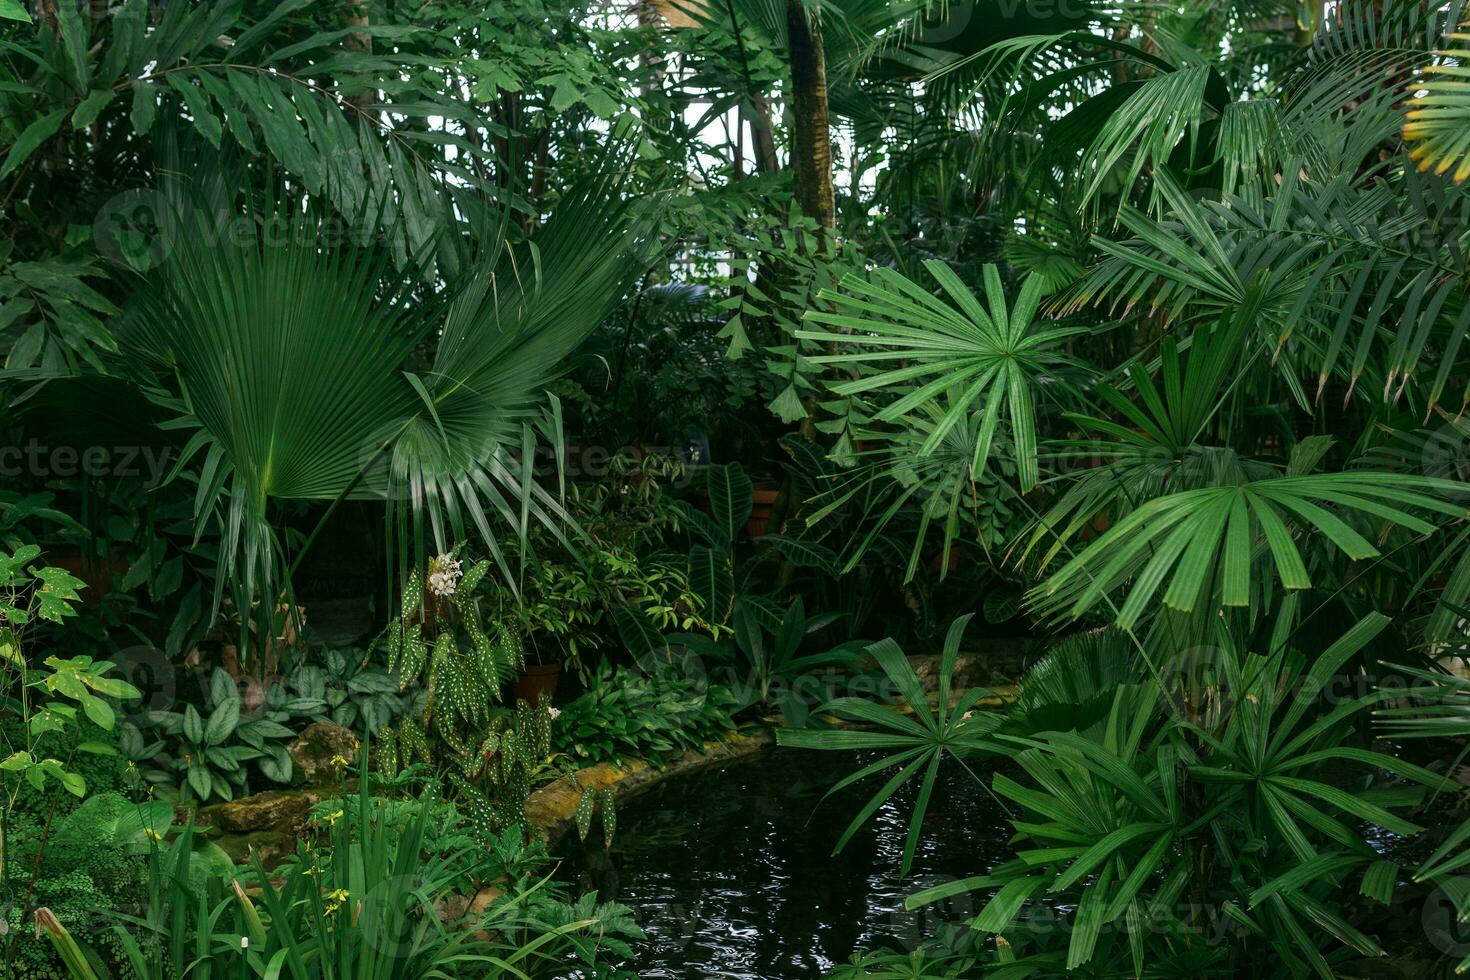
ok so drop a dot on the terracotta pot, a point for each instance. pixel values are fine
(936, 561)
(760, 511)
(536, 680)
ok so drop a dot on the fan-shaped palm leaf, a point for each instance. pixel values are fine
(993, 358)
(1073, 685)
(1203, 541)
(291, 361)
(915, 742)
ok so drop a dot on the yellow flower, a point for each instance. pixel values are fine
(334, 816)
(340, 895)
(340, 762)
(152, 834)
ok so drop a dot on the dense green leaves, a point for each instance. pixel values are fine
(287, 361)
(914, 743)
(1204, 544)
(991, 357)
(1150, 812)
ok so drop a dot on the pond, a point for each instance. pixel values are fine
(729, 870)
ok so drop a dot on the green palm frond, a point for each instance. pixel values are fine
(291, 363)
(897, 478)
(913, 742)
(1154, 448)
(1074, 684)
(990, 358)
(1157, 116)
(1440, 705)
(1203, 542)
(285, 362)
(265, 80)
(1320, 268)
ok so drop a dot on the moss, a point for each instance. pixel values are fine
(84, 841)
(81, 907)
(103, 773)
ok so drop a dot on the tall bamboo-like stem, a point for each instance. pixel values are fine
(811, 156)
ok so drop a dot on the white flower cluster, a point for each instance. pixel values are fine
(444, 574)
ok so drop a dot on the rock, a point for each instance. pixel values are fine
(315, 749)
(282, 811)
(454, 910)
(272, 846)
(552, 808)
(269, 824)
(462, 911)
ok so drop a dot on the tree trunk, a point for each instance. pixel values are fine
(762, 137)
(811, 154)
(355, 16)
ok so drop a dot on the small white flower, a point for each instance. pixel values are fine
(555, 713)
(444, 575)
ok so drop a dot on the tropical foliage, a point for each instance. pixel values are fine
(491, 393)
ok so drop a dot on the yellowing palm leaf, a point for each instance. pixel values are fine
(1439, 123)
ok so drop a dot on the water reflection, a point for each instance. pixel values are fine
(730, 872)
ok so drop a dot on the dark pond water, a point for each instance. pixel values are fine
(729, 870)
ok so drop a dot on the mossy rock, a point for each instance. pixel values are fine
(319, 753)
(272, 846)
(279, 811)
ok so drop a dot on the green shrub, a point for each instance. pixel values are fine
(633, 713)
(102, 773)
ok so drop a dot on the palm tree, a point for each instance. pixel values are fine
(307, 370)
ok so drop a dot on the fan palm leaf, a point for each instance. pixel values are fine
(916, 742)
(994, 355)
(1202, 542)
(292, 363)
